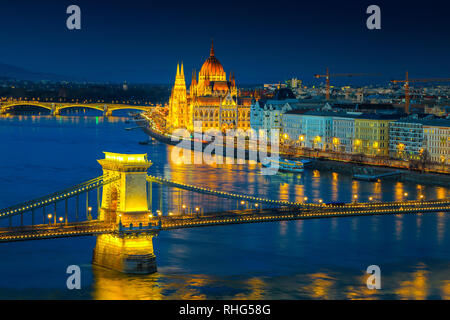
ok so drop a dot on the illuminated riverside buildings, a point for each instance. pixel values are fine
(410, 138)
(267, 114)
(406, 138)
(348, 132)
(437, 140)
(316, 127)
(372, 134)
(320, 129)
(212, 100)
(343, 128)
(369, 134)
(292, 127)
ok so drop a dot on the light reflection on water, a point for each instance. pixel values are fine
(418, 283)
(313, 259)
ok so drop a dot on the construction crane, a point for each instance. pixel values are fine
(407, 81)
(328, 75)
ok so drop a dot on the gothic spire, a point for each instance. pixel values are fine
(211, 54)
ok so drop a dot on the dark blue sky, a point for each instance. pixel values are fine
(141, 41)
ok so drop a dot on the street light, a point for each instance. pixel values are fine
(305, 198)
(370, 198)
(61, 219)
(49, 216)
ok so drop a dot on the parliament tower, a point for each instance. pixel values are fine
(212, 99)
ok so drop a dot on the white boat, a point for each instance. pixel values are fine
(285, 165)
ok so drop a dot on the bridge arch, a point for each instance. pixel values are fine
(7, 107)
(64, 107)
(114, 108)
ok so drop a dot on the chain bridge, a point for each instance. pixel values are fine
(125, 208)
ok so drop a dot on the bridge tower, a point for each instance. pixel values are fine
(124, 204)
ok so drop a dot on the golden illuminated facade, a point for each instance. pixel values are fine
(212, 100)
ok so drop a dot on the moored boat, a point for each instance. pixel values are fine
(284, 165)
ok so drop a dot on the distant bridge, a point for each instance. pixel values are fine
(55, 108)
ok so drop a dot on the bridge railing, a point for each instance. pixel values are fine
(55, 197)
(228, 195)
(284, 203)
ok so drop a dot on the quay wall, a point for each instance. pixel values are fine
(406, 175)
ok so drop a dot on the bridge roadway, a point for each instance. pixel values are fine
(49, 231)
(96, 227)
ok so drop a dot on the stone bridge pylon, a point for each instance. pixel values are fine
(124, 204)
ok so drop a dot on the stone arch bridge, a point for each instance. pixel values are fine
(55, 108)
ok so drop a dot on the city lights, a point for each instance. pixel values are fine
(210, 202)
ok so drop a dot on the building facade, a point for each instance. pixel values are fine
(213, 102)
(343, 129)
(292, 127)
(406, 139)
(437, 140)
(266, 115)
(372, 134)
(317, 129)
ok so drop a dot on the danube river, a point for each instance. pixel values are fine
(312, 259)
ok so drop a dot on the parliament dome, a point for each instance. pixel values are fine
(212, 69)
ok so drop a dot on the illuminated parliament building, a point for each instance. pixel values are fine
(212, 99)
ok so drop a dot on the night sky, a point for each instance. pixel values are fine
(141, 41)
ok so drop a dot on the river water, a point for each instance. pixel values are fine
(312, 259)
